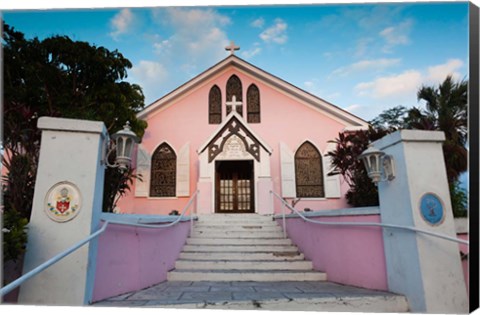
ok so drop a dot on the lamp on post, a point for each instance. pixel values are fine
(124, 141)
(379, 166)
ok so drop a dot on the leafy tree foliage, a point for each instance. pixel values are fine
(392, 119)
(345, 159)
(445, 110)
(57, 77)
(459, 199)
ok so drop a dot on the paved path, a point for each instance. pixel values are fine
(292, 295)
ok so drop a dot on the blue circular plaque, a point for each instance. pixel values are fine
(431, 208)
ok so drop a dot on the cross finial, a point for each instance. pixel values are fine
(232, 48)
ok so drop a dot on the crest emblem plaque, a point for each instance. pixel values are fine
(63, 202)
(431, 209)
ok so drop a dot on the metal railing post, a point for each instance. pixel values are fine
(284, 221)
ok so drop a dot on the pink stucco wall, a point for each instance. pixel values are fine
(349, 255)
(131, 258)
(283, 118)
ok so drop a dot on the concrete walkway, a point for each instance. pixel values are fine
(291, 295)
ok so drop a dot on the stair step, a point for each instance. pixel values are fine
(243, 265)
(240, 248)
(254, 228)
(282, 256)
(239, 241)
(245, 275)
(235, 217)
(249, 226)
(227, 234)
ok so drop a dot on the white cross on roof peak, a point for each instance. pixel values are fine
(232, 48)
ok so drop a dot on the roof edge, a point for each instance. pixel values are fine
(267, 77)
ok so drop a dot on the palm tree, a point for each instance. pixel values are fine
(445, 110)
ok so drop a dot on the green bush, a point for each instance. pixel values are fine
(459, 198)
(14, 235)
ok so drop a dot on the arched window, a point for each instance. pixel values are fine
(309, 172)
(163, 172)
(234, 94)
(253, 104)
(215, 105)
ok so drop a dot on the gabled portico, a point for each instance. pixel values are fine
(234, 170)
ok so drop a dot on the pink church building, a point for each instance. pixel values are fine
(234, 133)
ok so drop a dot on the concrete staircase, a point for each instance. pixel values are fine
(241, 247)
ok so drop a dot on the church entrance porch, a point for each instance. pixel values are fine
(234, 187)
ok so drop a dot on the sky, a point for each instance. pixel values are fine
(364, 58)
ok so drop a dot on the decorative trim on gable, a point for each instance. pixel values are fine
(235, 137)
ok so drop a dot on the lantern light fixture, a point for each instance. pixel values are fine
(123, 142)
(379, 166)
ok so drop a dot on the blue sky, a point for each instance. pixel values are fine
(364, 58)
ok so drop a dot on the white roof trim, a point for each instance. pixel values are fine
(242, 122)
(354, 128)
(266, 77)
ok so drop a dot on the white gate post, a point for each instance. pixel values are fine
(427, 270)
(66, 209)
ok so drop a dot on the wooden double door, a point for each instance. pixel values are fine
(234, 187)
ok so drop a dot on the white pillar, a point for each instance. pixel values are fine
(427, 270)
(69, 165)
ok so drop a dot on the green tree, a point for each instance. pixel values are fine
(391, 119)
(445, 110)
(57, 77)
(345, 159)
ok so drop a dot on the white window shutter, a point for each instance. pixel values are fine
(183, 171)
(143, 169)
(332, 183)
(287, 160)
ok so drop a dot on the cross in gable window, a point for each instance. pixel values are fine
(234, 105)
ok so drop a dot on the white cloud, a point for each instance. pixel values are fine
(406, 83)
(438, 73)
(275, 33)
(396, 35)
(192, 39)
(186, 18)
(150, 70)
(309, 84)
(121, 23)
(197, 34)
(258, 23)
(362, 46)
(352, 108)
(366, 65)
(162, 45)
(149, 75)
(251, 52)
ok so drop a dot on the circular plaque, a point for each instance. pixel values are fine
(431, 208)
(63, 202)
